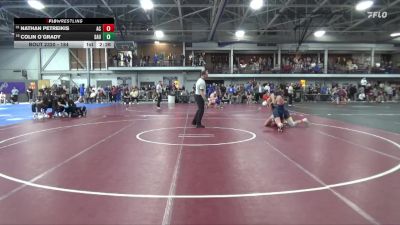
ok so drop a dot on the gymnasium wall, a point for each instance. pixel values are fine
(28, 59)
(132, 79)
(59, 62)
(19, 59)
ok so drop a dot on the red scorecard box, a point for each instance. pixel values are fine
(108, 27)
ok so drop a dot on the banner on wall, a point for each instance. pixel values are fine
(303, 83)
(6, 87)
(169, 81)
(176, 83)
(125, 81)
(43, 84)
(32, 85)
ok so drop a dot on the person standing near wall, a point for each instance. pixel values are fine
(82, 93)
(364, 84)
(74, 93)
(159, 94)
(14, 95)
(290, 93)
(29, 93)
(135, 95)
(200, 95)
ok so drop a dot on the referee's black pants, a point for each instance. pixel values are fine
(159, 98)
(290, 99)
(200, 111)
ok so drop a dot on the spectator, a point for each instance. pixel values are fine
(74, 93)
(290, 93)
(225, 98)
(29, 93)
(14, 95)
(3, 98)
(126, 97)
(135, 95)
(389, 93)
(267, 88)
(353, 92)
(155, 59)
(82, 93)
(113, 92)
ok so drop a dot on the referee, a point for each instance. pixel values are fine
(159, 94)
(199, 96)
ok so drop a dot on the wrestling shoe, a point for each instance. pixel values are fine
(306, 122)
(280, 128)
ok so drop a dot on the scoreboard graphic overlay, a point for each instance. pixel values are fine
(64, 33)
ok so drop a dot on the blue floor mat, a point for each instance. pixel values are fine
(13, 114)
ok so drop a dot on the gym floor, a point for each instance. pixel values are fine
(137, 165)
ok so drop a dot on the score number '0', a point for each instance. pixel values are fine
(106, 28)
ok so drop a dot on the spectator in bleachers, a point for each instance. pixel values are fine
(155, 59)
(202, 61)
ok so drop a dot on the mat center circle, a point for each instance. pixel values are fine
(196, 137)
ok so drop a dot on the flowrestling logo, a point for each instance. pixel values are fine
(379, 15)
(3, 86)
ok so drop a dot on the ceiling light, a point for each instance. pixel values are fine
(363, 5)
(146, 4)
(157, 42)
(36, 4)
(319, 33)
(395, 34)
(159, 33)
(256, 4)
(240, 33)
